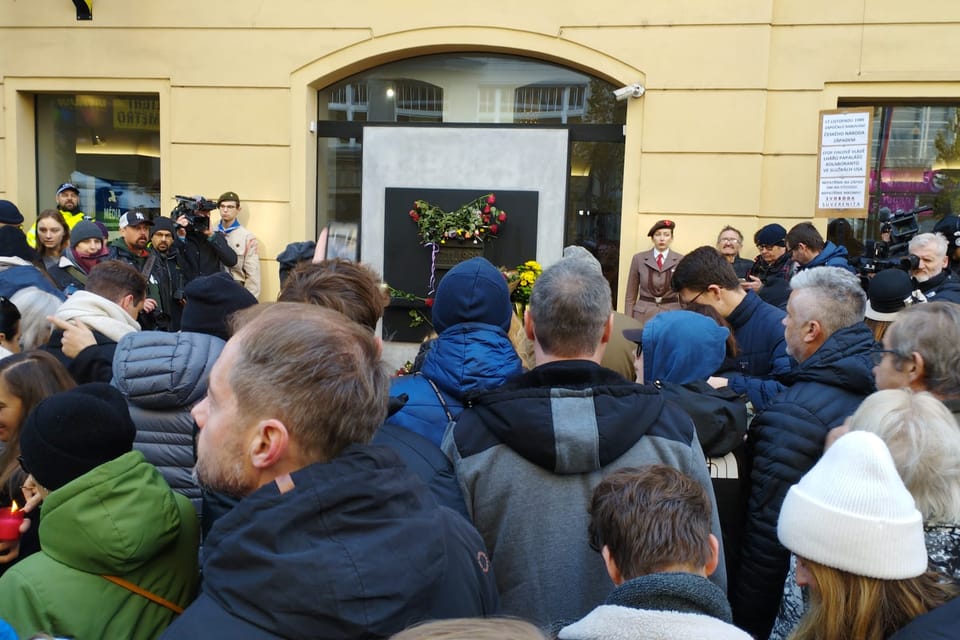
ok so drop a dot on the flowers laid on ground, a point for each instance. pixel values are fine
(417, 317)
(477, 220)
(520, 282)
(405, 370)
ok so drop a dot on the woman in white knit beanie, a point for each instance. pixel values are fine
(859, 542)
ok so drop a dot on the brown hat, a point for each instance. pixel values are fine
(229, 196)
(662, 224)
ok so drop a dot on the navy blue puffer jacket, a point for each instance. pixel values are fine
(467, 357)
(785, 441)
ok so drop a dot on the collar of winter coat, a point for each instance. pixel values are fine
(684, 592)
(128, 515)
(842, 361)
(545, 415)
(832, 256)
(356, 545)
(659, 606)
(99, 314)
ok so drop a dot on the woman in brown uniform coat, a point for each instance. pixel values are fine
(648, 286)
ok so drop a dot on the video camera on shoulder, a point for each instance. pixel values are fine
(895, 254)
(196, 210)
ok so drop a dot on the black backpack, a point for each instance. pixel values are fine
(720, 415)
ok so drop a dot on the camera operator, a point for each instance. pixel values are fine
(931, 276)
(205, 251)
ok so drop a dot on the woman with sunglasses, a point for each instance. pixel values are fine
(25, 380)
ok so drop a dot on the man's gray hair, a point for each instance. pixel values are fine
(933, 331)
(570, 305)
(936, 240)
(838, 299)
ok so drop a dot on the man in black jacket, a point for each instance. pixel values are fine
(825, 333)
(205, 251)
(334, 537)
(169, 273)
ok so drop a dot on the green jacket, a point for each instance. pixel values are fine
(119, 519)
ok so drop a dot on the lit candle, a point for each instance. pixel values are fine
(10, 521)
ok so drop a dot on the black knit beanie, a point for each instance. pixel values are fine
(73, 432)
(209, 300)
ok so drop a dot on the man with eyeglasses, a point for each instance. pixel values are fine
(242, 241)
(729, 243)
(825, 333)
(705, 277)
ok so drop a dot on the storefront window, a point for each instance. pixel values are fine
(915, 158)
(107, 145)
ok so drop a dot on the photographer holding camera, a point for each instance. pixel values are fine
(205, 251)
(931, 276)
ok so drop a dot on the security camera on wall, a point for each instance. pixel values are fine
(634, 90)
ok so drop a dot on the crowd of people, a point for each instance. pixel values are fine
(738, 455)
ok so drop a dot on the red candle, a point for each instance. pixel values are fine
(10, 521)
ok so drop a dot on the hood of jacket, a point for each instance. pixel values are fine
(545, 415)
(99, 314)
(844, 361)
(473, 291)
(355, 549)
(112, 519)
(471, 357)
(159, 370)
(682, 347)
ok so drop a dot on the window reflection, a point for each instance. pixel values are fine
(107, 145)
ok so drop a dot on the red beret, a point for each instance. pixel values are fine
(662, 224)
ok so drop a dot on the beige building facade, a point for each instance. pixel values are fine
(726, 131)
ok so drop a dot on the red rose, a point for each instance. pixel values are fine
(486, 209)
(428, 302)
(491, 199)
(486, 219)
(415, 217)
(493, 228)
(502, 217)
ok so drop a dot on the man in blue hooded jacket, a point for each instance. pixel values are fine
(809, 250)
(471, 314)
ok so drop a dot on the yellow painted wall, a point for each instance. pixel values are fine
(726, 132)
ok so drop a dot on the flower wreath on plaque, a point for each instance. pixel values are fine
(458, 235)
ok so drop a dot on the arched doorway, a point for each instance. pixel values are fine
(482, 90)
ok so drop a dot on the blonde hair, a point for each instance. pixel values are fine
(472, 629)
(924, 440)
(845, 606)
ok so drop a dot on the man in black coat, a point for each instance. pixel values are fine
(205, 251)
(825, 333)
(334, 537)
